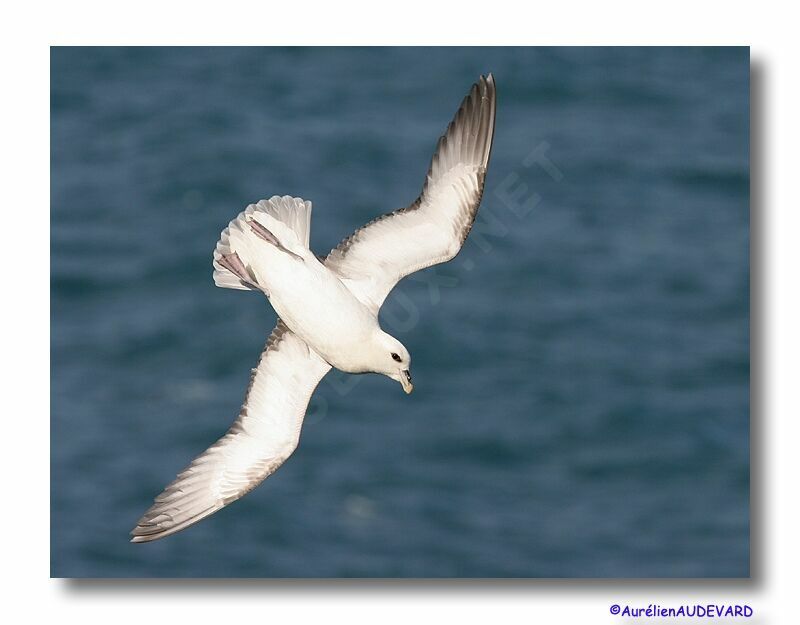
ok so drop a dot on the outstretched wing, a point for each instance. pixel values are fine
(432, 229)
(262, 437)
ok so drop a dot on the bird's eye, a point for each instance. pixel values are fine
(396, 357)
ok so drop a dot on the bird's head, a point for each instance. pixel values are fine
(392, 359)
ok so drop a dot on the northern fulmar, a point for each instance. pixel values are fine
(327, 310)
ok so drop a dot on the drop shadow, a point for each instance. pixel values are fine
(758, 359)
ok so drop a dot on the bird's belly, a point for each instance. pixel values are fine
(321, 310)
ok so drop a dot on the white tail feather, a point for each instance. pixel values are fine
(293, 216)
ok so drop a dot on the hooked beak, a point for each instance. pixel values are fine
(405, 380)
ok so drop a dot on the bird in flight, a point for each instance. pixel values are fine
(327, 310)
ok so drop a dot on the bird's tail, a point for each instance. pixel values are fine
(287, 217)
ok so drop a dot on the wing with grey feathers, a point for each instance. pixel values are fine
(431, 230)
(262, 437)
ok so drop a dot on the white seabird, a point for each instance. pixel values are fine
(327, 308)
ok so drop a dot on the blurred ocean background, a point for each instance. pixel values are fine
(581, 405)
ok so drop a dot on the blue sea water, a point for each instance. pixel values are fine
(582, 368)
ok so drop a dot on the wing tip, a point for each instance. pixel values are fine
(143, 533)
(486, 86)
(491, 94)
(148, 531)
